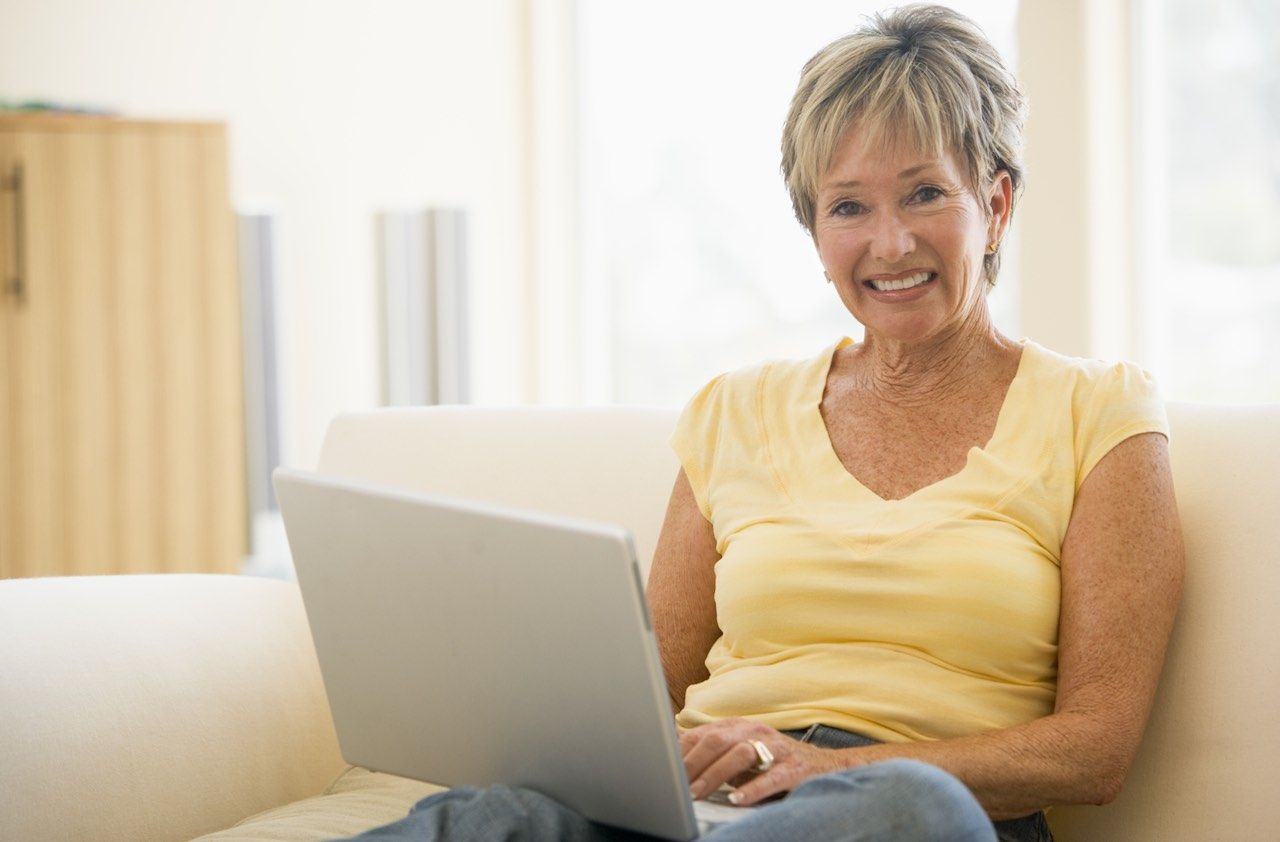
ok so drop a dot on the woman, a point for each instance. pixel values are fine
(949, 546)
(924, 582)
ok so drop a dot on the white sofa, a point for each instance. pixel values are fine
(167, 707)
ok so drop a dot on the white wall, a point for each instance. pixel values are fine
(335, 110)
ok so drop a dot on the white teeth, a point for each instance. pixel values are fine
(902, 283)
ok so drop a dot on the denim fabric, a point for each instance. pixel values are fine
(496, 814)
(900, 800)
(1032, 828)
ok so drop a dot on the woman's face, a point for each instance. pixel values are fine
(902, 238)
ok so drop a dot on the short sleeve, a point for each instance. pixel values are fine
(696, 436)
(1124, 402)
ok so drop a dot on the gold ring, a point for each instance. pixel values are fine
(764, 757)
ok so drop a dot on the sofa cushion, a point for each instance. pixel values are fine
(357, 801)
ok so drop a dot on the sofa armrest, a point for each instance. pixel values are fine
(156, 707)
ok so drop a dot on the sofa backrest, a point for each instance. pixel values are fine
(1211, 753)
(610, 464)
(1212, 749)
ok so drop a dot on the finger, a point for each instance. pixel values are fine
(730, 764)
(711, 744)
(706, 743)
(712, 727)
(778, 779)
(689, 741)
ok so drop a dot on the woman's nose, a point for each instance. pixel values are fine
(891, 239)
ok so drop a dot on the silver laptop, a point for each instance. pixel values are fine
(467, 643)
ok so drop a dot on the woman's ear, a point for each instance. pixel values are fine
(999, 205)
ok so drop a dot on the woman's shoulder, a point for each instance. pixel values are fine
(1091, 367)
(1087, 374)
(1103, 398)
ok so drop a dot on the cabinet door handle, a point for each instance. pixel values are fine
(17, 285)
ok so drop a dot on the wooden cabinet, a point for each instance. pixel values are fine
(121, 398)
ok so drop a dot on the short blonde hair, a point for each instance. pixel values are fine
(923, 74)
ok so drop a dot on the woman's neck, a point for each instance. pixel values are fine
(916, 375)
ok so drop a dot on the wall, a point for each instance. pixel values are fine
(335, 110)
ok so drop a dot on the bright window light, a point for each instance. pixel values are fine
(1209, 85)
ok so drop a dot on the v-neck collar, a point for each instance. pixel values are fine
(816, 427)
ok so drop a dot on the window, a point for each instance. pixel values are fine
(1209, 87)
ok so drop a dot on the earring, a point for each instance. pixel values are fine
(994, 247)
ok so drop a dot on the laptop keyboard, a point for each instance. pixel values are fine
(716, 810)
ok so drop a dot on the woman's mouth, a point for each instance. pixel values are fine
(901, 283)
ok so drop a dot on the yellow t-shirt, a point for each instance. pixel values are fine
(925, 618)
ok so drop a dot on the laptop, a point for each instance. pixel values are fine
(467, 643)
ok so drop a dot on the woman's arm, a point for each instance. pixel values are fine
(1122, 563)
(681, 592)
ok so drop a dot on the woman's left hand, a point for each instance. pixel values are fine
(721, 751)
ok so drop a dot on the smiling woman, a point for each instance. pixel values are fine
(919, 539)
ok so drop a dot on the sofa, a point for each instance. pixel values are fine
(187, 706)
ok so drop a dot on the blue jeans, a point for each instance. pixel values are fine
(899, 800)
(1031, 828)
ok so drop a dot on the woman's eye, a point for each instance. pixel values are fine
(847, 209)
(926, 194)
